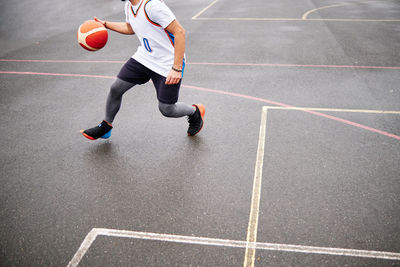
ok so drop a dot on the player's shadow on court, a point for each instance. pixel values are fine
(103, 148)
(103, 152)
(195, 142)
(108, 161)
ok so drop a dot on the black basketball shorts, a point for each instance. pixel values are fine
(136, 73)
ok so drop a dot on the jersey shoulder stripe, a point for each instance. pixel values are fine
(147, 16)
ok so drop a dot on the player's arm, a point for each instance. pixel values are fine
(179, 33)
(121, 27)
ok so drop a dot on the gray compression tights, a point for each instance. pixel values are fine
(119, 87)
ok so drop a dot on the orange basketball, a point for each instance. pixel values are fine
(92, 35)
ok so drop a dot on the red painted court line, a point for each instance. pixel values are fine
(210, 64)
(289, 106)
(60, 61)
(224, 93)
(58, 74)
(295, 65)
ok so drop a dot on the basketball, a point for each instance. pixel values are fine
(92, 35)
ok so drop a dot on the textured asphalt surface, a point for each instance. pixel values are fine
(325, 183)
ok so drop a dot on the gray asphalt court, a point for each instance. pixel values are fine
(298, 163)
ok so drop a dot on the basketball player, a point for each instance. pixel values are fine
(160, 57)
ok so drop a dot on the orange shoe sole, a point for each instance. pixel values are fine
(87, 136)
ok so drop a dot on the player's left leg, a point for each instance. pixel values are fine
(176, 110)
(196, 121)
(168, 96)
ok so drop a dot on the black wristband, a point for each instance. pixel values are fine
(176, 69)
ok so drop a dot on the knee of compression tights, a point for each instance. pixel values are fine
(119, 87)
(115, 89)
(168, 110)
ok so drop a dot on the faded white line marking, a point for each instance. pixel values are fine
(305, 15)
(204, 10)
(87, 242)
(256, 195)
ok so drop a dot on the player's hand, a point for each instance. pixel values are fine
(173, 77)
(99, 20)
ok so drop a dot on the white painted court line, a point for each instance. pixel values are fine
(204, 10)
(225, 243)
(87, 242)
(305, 15)
(249, 258)
(303, 18)
(255, 199)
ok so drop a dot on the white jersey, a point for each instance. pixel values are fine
(148, 20)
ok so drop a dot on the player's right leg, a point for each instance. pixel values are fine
(114, 99)
(103, 130)
(131, 73)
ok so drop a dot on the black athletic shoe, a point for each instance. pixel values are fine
(103, 130)
(196, 120)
